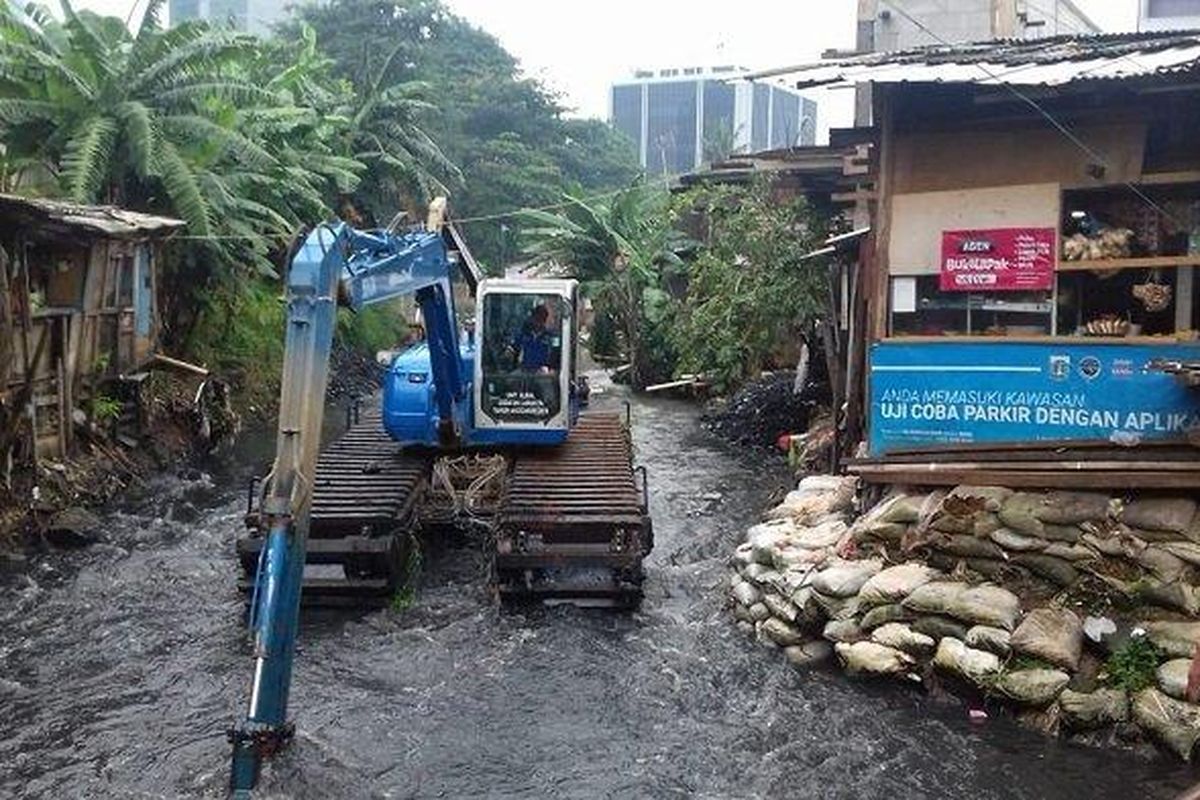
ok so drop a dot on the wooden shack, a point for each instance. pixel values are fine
(78, 290)
(1035, 227)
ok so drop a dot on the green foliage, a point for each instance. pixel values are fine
(506, 134)
(1132, 667)
(375, 328)
(747, 289)
(105, 408)
(239, 333)
(363, 107)
(406, 596)
(624, 251)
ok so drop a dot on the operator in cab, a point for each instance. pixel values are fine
(535, 343)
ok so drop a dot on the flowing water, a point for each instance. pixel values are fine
(122, 665)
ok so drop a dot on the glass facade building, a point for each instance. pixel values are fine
(255, 16)
(682, 119)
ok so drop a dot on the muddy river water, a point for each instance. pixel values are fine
(122, 665)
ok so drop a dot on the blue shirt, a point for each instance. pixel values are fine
(535, 348)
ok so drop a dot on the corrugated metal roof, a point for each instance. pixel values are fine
(1052, 61)
(106, 220)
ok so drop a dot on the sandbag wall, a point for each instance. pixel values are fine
(1075, 608)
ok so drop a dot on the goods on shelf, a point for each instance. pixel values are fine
(1154, 296)
(1108, 243)
(1107, 326)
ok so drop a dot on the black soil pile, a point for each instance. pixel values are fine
(352, 373)
(766, 408)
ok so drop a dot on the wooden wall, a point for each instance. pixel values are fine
(87, 328)
(918, 218)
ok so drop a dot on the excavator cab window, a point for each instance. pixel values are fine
(522, 356)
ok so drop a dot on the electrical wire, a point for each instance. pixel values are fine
(664, 182)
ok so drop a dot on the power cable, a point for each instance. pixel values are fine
(664, 182)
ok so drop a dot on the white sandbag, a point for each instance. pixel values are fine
(746, 593)
(1034, 687)
(1172, 677)
(976, 666)
(893, 584)
(872, 658)
(994, 640)
(846, 578)
(902, 637)
(826, 534)
(780, 632)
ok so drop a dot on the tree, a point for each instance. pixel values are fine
(505, 133)
(748, 288)
(624, 251)
(110, 115)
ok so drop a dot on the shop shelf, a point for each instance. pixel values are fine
(1147, 262)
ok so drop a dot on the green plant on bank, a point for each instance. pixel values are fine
(1132, 667)
(105, 408)
(1022, 661)
(380, 327)
(747, 288)
(406, 596)
(625, 252)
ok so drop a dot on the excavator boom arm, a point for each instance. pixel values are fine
(335, 264)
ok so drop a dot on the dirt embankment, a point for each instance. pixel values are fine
(178, 416)
(171, 418)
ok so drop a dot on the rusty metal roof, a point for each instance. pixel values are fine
(102, 220)
(1052, 61)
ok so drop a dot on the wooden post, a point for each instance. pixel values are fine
(63, 408)
(877, 284)
(30, 364)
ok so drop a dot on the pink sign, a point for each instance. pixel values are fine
(998, 260)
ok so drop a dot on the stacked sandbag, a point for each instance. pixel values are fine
(918, 587)
(1144, 546)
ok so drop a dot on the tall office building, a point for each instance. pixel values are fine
(1168, 15)
(255, 16)
(682, 118)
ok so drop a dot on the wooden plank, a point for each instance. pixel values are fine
(1028, 446)
(1090, 340)
(1147, 262)
(1068, 466)
(1160, 178)
(877, 277)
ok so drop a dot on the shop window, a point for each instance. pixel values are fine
(920, 308)
(1124, 302)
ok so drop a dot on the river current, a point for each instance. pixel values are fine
(122, 665)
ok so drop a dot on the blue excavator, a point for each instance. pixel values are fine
(570, 520)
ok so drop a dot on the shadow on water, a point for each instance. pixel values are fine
(121, 666)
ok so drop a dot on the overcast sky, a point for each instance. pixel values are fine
(579, 47)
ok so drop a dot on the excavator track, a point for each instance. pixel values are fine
(573, 523)
(366, 497)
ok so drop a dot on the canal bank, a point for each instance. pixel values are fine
(123, 664)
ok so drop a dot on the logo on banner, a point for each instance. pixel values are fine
(1060, 367)
(1089, 367)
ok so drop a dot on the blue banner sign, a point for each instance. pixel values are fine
(946, 393)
